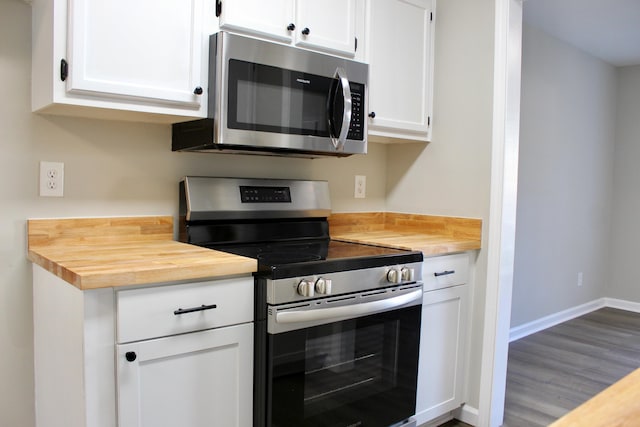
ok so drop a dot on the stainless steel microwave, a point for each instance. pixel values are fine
(270, 98)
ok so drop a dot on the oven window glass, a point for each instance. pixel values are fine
(359, 372)
(272, 99)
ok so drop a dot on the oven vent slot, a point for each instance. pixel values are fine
(345, 298)
(412, 286)
(293, 307)
(374, 293)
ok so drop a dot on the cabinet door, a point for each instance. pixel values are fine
(442, 352)
(267, 19)
(399, 51)
(331, 25)
(141, 50)
(197, 379)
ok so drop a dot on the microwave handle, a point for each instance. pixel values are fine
(339, 142)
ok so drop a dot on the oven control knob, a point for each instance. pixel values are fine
(408, 274)
(394, 276)
(323, 286)
(305, 288)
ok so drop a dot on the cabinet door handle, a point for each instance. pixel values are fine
(130, 356)
(372, 114)
(198, 90)
(306, 31)
(291, 27)
(444, 273)
(194, 309)
(64, 69)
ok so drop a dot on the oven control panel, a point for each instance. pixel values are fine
(264, 194)
(281, 291)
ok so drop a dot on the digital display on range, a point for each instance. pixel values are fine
(252, 194)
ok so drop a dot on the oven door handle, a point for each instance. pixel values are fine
(353, 310)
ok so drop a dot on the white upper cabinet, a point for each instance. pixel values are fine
(399, 48)
(121, 56)
(265, 19)
(327, 25)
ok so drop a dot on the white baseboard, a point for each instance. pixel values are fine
(435, 422)
(622, 304)
(554, 319)
(467, 414)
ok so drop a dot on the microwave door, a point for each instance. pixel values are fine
(339, 109)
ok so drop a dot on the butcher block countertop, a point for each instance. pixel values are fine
(616, 405)
(433, 235)
(94, 253)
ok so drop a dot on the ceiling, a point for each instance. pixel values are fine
(606, 29)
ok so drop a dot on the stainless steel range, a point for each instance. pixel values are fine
(337, 324)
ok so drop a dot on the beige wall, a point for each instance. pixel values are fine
(452, 174)
(116, 168)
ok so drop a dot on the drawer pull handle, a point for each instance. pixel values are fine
(194, 309)
(444, 273)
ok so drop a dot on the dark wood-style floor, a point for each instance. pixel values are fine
(553, 371)
(454, 423)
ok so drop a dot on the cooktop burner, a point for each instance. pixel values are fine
(284, 259)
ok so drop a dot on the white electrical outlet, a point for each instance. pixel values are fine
(361, 187)
(51, 179)
(580, 278)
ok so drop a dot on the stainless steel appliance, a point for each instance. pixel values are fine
(269, 98)
(337, 324)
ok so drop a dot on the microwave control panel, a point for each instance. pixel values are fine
(356, 129)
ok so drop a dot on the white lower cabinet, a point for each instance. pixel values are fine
(185, 355)
(162, 355)
(197, 379)
(443, 337)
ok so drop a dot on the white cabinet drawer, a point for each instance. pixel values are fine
(445, 271)
(176, 309)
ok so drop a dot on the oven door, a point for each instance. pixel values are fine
(352, 372)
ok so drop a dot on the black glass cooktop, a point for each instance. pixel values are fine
(298, 258)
